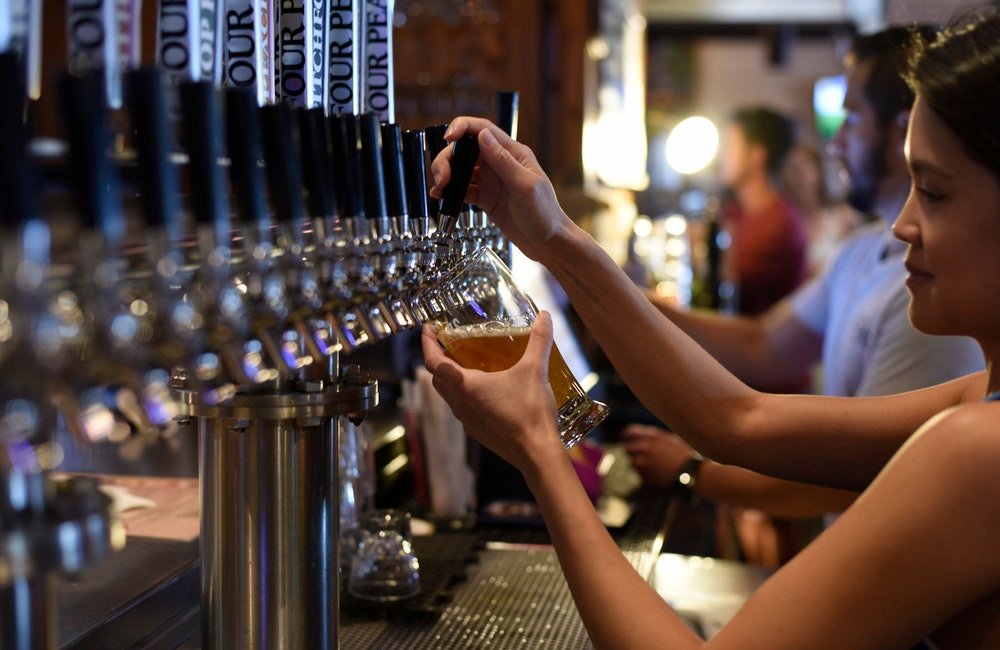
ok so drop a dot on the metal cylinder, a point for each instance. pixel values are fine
(269, 516)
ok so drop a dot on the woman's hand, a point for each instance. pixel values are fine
(508, 183)
(512, 412)
(657, 454)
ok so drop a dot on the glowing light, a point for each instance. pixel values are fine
(675, 225)
(642, 227)
(676, 247)
(692, 145)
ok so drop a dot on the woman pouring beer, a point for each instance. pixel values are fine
(914, 560)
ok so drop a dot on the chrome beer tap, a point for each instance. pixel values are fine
(405, 251)
(351, 237)
(101, 371)
(382, 251)
(152, 287)
(296, 250)
(425, 249)
(213, 317)
(507, 103)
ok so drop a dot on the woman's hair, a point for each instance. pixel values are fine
(958, 77)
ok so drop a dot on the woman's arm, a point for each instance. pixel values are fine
(883, 576)
(659, 455)
(819, 440)
(915, 550)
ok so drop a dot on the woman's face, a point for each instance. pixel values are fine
(951, 222)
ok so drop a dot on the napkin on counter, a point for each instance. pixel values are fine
(450, 480)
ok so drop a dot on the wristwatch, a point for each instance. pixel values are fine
(687, 476)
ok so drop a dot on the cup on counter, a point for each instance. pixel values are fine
(384, 567)
(484, 321)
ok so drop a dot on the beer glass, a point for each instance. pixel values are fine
(483, 322)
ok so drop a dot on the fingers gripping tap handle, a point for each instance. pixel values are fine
(463, 163)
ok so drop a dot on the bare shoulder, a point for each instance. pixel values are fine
(963, 443)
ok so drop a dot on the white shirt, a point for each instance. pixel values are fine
(860, 306)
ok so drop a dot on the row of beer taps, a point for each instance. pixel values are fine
(297, 236)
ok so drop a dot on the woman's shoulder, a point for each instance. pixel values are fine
(965, 439)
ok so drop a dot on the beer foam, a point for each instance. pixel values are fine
(448, 332)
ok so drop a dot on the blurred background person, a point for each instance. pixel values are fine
(827, 222)
(767, 254)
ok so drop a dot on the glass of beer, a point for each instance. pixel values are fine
(483, 323)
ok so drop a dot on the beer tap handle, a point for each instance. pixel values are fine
(94, 176)
(147, 105)
(316, 163)
(244, 140)
(347, 165)
(203, 127)
(283, 172)
(435, 144)
(463, 164)
(507, 104)
(395, 180)
(373, 175)
(435, 139)
(18, 184)
(415, 177)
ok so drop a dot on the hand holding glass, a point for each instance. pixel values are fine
(484, 323)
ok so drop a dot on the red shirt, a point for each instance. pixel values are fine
(767, 253)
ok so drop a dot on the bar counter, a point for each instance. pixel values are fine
(508, 592)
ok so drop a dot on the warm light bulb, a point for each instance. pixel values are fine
(692, 145)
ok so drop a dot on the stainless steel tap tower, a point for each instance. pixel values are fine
(269, 519)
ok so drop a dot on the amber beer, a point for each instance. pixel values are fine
(492, 347)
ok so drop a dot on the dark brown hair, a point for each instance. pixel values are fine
(958, 76)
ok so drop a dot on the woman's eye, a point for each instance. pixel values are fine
(930, 196)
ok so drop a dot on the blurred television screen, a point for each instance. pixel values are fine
(828, 104)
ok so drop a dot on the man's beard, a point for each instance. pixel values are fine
(864, 182)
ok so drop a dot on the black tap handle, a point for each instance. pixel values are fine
(94, 175)
(345, 144)
(316, 165)
(147, 105)
(202, 117)
(435, 144)
(372, 173)
(507, 103)
(463, 164)
(18, 182)
(392, 163)
(435, 139)
(415, 173)
(283, 172)
(243, 137)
